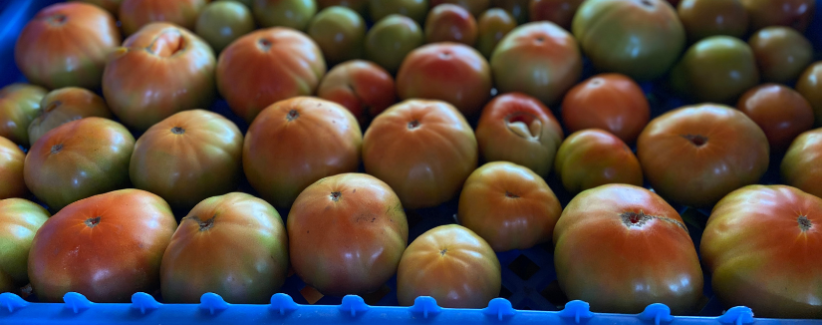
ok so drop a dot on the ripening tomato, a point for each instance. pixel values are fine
(106, 247)
(340, 34)
(134, 14)
(233, 245)
(112, 6)
(413, 9)
(453, 265)
(763, 247)
(12, 159)
(284, 13)
(423, 149)
(716, 69)
(516, 127)
(560, 12)
(450, 72)
(509, 206)
(77, 160)
(517, 8)
(267, 66)
(594, 157)
(706, 18)
(346, 234)
(800, 166)
(19, 105)
(65, 105)
(612, 102)
(221, 23)
(796, 14)
(492, 26)
(695, 155)
(295, 142)
(782, 53)
(390, 40)
(450, 23)
(188, 157)
(66, 44)
(781, 112)
(363, 87)
(621, 247)
(475, 7)
(810, 86)
(19, 221)
(360, 6)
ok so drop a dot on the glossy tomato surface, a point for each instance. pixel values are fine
(716, 69)
(560, 12)
(19, 221)
(340, 34)
(390, 40)
(363, 87)
(492, 26)
(64, 105)
(284, 13)
(19, 105)
(800, 167)
(134, 14)
(796, 14)
(706, 18)
(222, 22)
(594, 157)
(782, 53)
(450, 23)
(621, 247)
(781, 112)
(346, 234)
(105, 247)
(810, 86)
(12, 183)
(475, 7)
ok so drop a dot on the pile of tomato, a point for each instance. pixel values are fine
(358, 111)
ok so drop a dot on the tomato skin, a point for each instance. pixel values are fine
(612, 102)
(295, 142)
(716, 69)
(695, 155)
(12, 183)
(423, 149)
(492, 26)
(810, 86)
(112, 6)
(782, 53)
(77, 160)
(450, 23)
(800, 166)
(346, 234)
(450, 72)
(516, 127)
(66, 44)
(19, 105)
(509, 206)
(620, 266)
(453, 265)
(234, 245)
(781, 112)
(65, 105)
(188, 157)
(560, 12)
(594, 157)
(796, 14)
(340, 34)
(221, 23)
(517, 8)
(284, 13)
(475, 7)
(362, 87)
(360, 6)
(413, 9)
(390, 40)
(19, 221)
(762, 254)
(706, 18)
(135, 14)
(250, 71)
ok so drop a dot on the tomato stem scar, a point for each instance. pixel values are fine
(804, 223)
(93, 222)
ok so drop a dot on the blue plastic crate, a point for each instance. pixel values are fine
(530, 293)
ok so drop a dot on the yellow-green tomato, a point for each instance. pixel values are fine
(391, 39)
(492, 26)
(340, 33)
(220, 23)
(284, 13)
(414, 9)
(19, 221)
(360, 6)
(810, 86)
(717, 69)
(19, 105)
(593, 157)
(781, 52)
(248, 3)
(706, 18)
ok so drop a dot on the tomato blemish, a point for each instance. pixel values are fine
(92, 222)
(292, 115)
(443, 251)
(524, 125)
(56, 148)
(413, 124)
(335, 196)
(206, 224)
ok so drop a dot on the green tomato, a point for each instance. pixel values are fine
(340, 33)
(19, 221)
(391, 39)
(717, 69)
(220, 23)
(414, 9)
(286, 13)
(493, 25)
(248, 3)
(781, 52)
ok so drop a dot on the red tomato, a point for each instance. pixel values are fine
(509, 206)
(621, 247)
(423, 149)
(695, 155)
(492, 26)
(346, 234)
(810, 86)
(782, 53)
(19, 105)
(188, 157)
(252, 73)
(12, 183)
(560, 12)
(593, 157)
(286, 13)
(450, 23)
(793, 13)
(19, 221)
(67, 44)
(106, 247)
(801, 167)
(706, 18)
(112, 6)
(134, 14)
(77, 160)
(295, 142)
(516, 127)
(451, 72)
(475, 7)
(452, 264)
(362, 87)
(182, 66)
(781, 112)
(612, 102)
(763, 247)
(65, 105)
(234, 245)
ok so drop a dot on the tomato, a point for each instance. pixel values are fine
(451, 72)
(800, 167)
(610, 101)
(453, 265)
(253, 73)
(560, 12)
(19, 105)
(12, 183)
(233, 245)
(781, 112)
(594, 157)
(492, 26)
(65, 105)
(284, 13)
(423, 149)
(763, 247)
(362, 87)
(517, 8)
(77, 160)
(810, 86)
(639, 38)
(134, 14)
(391, 39)
(414, 9)
(781, 53)
(716, 69)
(221, 23)
(295, 142)
(19, 221)
(188, 157)
(182, 66)
(450, 23)
(475, 7)
(360, 6)
(706, 18)
(340, 33)
(539, 59)
(509, 206)
(66, 44)
(516, 127)
(112, 6)
(106, 247)
(695, 155)
(621, 247)
(796, 14)
(346, 234)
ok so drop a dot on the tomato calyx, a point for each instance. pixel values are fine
(639, 219)
(804, 223)
(443, 251)
(178, 130)
(696, 139)
(335, 196)
(56, 148)
(524, 125)
(292, 115)
(93, 222)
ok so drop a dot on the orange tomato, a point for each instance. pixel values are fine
(65, 105)
(134, 14)
(19, 105)
(12, 183)
(810, 86)
(800, 166)
(19, 221)
(450, 23)
(363, 87)
(594, 157)
(782, 53)
(781, 112)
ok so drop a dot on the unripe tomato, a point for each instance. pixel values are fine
(65, 105)
(19, 221)
(782, 53)
(134, 14)
(340, 33)
(706, 18)
(390, 40)
(19, 105)
(716, 69)
(800, 166)
(221, 23)
(12, 159)
(492, 26)
(593, 157)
